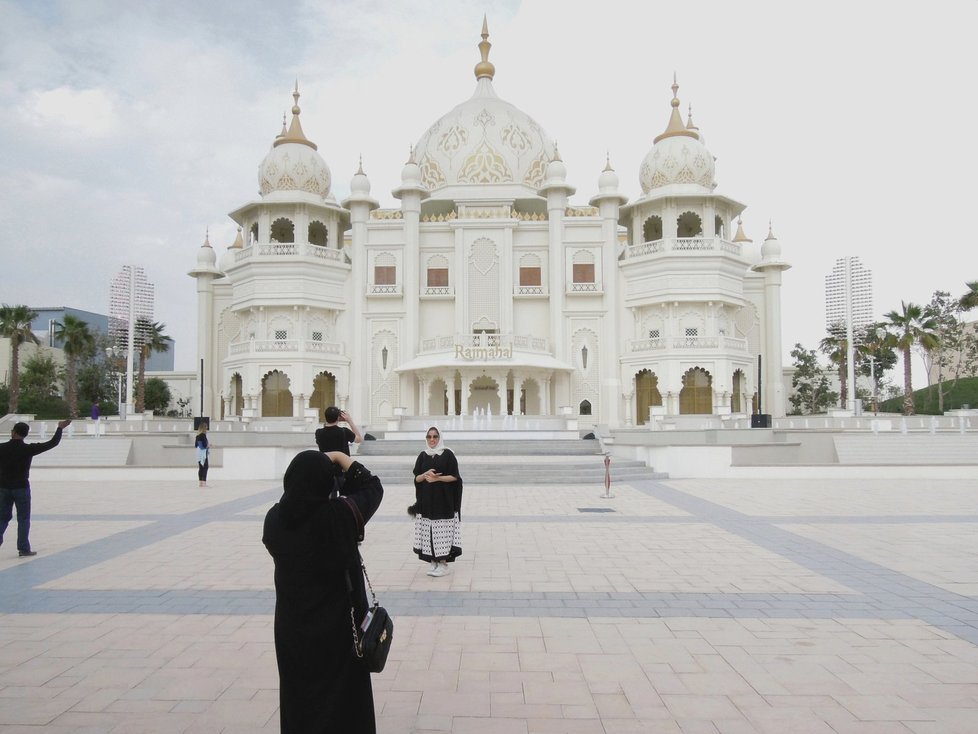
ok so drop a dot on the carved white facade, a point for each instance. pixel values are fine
(486, 288)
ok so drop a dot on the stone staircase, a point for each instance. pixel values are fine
(500, 461)
(86, 451)
(906, 449)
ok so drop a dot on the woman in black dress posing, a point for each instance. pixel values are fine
(438, 505)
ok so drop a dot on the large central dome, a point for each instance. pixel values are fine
(484, 141)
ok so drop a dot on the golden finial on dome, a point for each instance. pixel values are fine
(770, 230)
(360, 168)
(607, 161)
(484, 68)
(411, 155)
(740, 236)
(207, 237)
(676, 126)
(294, 134)
(284, 129)
(238, 243)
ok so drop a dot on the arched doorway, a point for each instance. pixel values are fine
(484, 394)
(276, 398)
(696, 397)
(737, 399)
(323, 393)
(646, 394)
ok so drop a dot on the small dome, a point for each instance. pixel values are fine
(608, 180)
(678, 156)
(206, 257)
(556, 170)
(360, 184)
(484, 140)
(293, 163)
(411, 173)
(771, 249)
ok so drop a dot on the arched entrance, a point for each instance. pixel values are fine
(737, 398)
(646, 394)
(696, 397)
(323, 393)
(276, 398)
(484, 394)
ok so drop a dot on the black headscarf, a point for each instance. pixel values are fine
(308, 482)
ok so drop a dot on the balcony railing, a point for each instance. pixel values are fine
(285, 345)
(689, 343)
(584, 288)
(437, 290)
(683, 244)
(290, 249)
(383, 290)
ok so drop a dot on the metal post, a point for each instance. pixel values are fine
(607, 478)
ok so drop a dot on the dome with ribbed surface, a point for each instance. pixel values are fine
(484, 140)
(678, 156)
(293, 163)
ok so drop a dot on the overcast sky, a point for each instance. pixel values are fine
(127, 130)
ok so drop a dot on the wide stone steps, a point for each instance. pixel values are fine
(497, 460)
(906, 449)
(86, 451)
(488, 447)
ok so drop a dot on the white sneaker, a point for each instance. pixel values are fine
(442, 570)
(432, 567)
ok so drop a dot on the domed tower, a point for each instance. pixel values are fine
(696, 305)
(275, 351)
(484, 147)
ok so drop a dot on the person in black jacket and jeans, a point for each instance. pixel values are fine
(15, 485)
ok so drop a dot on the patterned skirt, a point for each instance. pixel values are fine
(437, 540)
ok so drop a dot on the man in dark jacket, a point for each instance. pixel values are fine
(15, 485)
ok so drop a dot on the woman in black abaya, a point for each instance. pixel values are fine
(437, 508)
(323, 687)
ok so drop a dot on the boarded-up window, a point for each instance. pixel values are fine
(530, 275)
(437, 277)
(583, 272)
(385, 275)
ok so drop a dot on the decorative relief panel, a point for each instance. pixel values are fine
(485, 165)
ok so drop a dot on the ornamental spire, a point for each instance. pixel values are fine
(294, 133)
(484, 68)
(676, 126)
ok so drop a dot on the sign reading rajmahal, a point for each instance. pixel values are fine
(474, 353)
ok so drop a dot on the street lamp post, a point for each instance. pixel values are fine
(113, 354)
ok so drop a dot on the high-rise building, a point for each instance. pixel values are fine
(131, 297)
(862, 294)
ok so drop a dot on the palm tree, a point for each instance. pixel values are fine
(150, 337)
(913, 326)
(15, 324)
(836, 346)
(970, 299)
(77, 341)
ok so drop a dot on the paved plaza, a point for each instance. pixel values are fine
(695, 606)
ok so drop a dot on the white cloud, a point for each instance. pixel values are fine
(67, 111)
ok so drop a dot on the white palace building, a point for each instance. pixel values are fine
(486, 291)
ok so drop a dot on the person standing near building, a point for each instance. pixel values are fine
(437, 508)
(15, 485)
(203, 448)
(333, 437)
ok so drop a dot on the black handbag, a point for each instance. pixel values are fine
(373, 636)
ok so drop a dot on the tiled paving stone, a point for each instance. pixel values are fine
(720, 606)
